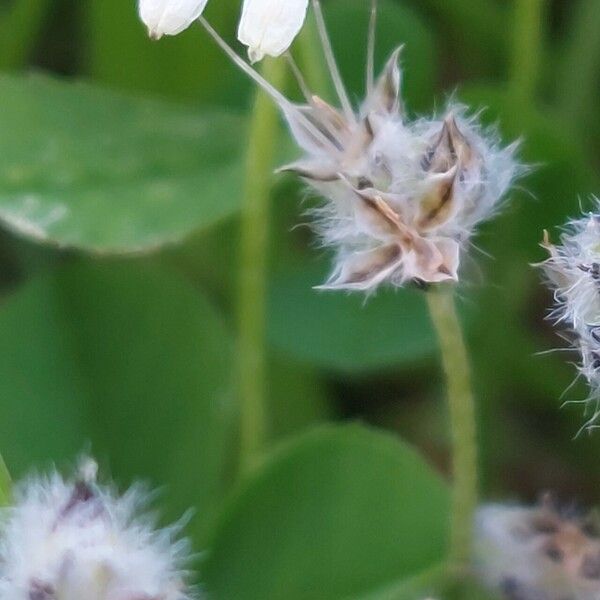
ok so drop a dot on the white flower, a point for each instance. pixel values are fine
(573, 272)
(537, 553)
(402, 198)
(169, 17)
(75, 540)
(268, 27)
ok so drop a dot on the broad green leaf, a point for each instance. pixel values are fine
(128, 358)
(347, 21)
(347, 332)
(86, 168)
(339, 512)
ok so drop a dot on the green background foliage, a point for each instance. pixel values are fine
(120, 175)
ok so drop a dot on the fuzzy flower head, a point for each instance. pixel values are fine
(74, 540)
(402, 198)
(573, 273)
(538, 553)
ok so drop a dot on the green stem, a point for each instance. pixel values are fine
(462, 422)
(311, 59)
(579, 68)
(253, 268)
(527, 48)
(20, 26)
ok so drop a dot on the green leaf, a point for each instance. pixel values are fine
(131, 359)
(87, 168)
(347, 332)
(339, 512)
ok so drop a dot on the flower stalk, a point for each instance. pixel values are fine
(253, 267)
(527, 48)
(461, 406)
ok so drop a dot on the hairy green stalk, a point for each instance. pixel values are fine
(461, 405)
(527, 48)
(253, 268)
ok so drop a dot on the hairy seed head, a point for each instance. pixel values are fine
(74, 540)
(573, 273)
(402, 197)
(538, 553)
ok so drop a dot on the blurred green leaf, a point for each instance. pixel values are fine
(346, 332)
(339, 512)
(87, 168)
(347, 22)
(131, 359)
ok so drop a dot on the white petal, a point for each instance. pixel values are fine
(169, 17)
(270, 26)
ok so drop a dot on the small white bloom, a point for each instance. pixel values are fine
(573, 272)
(537, 553)
(268, 27)
(74, 540)
(169, 17)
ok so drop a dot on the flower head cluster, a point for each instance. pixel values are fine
(402, 197)
(267, 27)
(538, 553)
(74, 540)
(573, 272)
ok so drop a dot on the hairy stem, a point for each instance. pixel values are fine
(462, 422)
(527, 48)
(253, 268)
